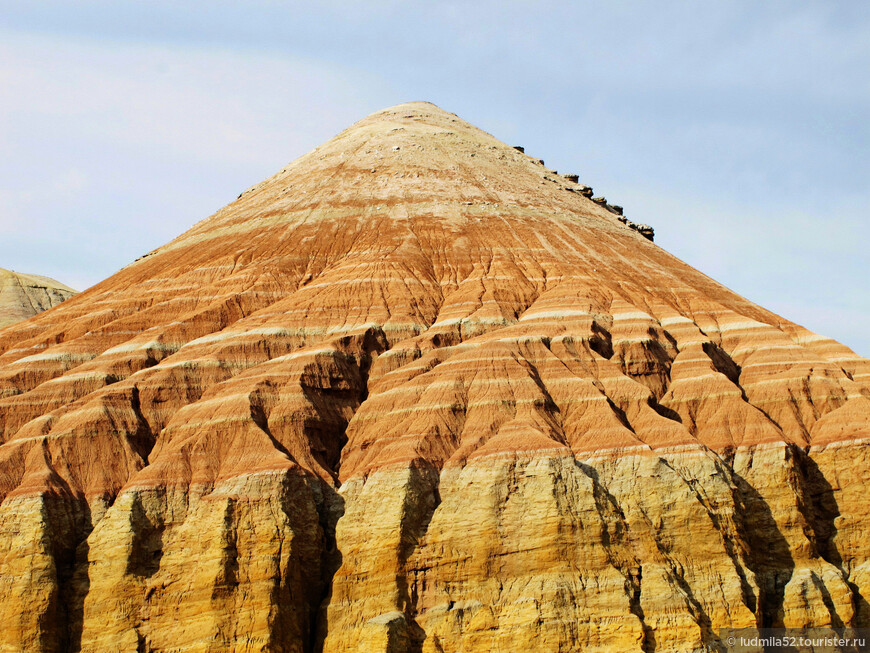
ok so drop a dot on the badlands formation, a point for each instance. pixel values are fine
(25, 295)
(417, 392)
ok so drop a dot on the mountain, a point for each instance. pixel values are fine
(24, 295)
(418, 392)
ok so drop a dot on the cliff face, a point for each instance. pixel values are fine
(416, 392)
(24, 295)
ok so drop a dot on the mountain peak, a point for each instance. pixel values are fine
(410, 111)
(410, 159)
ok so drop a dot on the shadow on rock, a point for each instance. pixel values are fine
(769, 556)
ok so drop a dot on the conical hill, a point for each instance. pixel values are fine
(418, 392)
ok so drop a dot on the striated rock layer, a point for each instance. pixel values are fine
(24, 295)
(416, 392)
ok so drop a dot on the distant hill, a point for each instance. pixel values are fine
(24, 295)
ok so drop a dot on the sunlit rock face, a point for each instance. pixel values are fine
(24, 295)
(417, 392)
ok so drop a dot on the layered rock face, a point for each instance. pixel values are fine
(417, 393)
(24, 295)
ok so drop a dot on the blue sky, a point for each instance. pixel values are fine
(739, 130)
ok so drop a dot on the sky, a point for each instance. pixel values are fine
(739, 130)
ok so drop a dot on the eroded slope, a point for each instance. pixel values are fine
(417, 392)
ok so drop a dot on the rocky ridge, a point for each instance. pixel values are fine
(413, 394)
(24, 295)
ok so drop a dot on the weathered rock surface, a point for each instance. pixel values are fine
(24, 295)
(404, 396)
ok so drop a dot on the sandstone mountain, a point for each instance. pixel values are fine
(417, 392)
(24, 295)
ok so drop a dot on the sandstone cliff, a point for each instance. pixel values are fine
(24, 295)
(416, 392)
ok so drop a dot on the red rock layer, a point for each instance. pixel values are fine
(417, 392)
